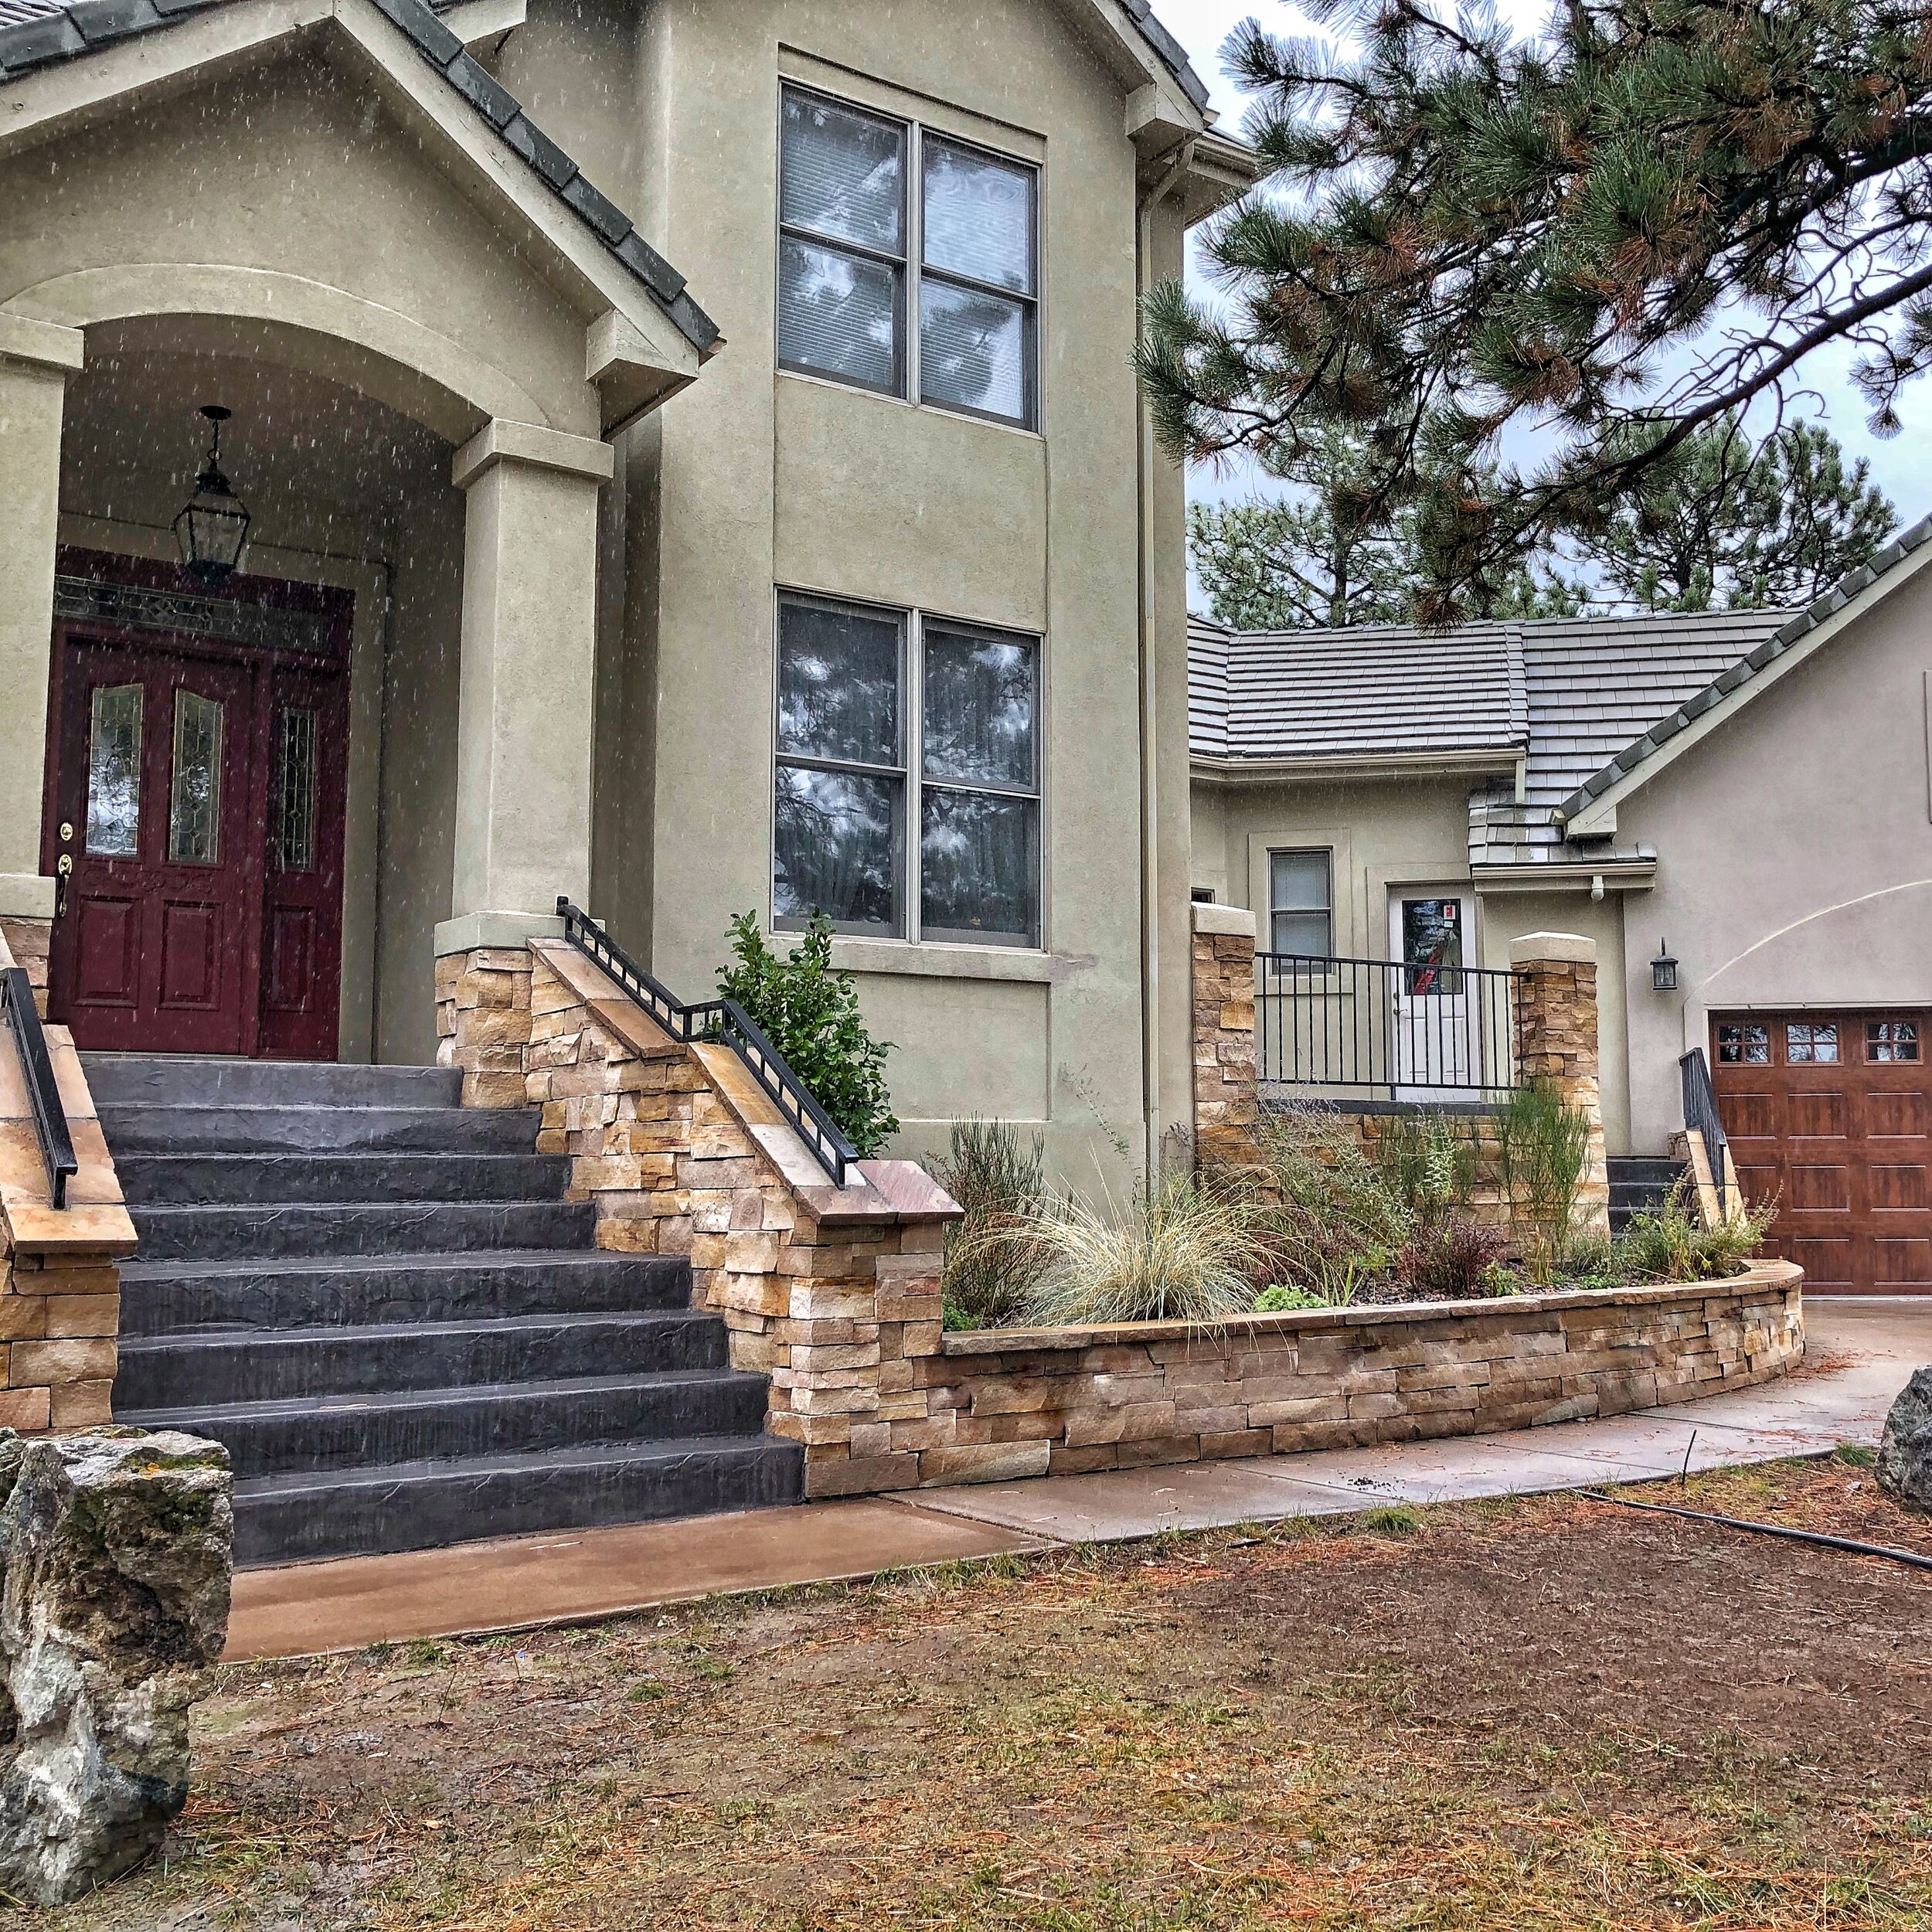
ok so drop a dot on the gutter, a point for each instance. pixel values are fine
(1179, 158)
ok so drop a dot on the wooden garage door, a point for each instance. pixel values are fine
(1832, 1113)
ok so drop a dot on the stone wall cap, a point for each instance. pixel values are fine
(1237, 921)
(1779, 1276)
(1532, 949)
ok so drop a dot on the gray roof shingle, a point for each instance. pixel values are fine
(34, 33)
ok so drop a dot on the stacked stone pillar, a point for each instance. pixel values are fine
(1557, 1044)
(483, 1021)
(1227, 1103)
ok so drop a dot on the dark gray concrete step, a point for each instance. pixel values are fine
(426, 1504)
(214, 1180)
(162, 1298)
(438, 1227)
(181, 1079)
(1643, 1170)
(189, 1370)
(360, 1431)
(147, 1128)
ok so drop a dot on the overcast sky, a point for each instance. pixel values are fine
(1902, 467)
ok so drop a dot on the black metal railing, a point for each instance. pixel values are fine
(44, 1092)
(727, 1023)
(1701, 1116)
(1388, 1027)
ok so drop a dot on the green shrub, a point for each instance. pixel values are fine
(1673, 1244)
(809, 1011)
(1428, 1162)
(992, 1265)
(1543, 1145)
(1281, 1299)
(1177, 1251)
(1332, 1217)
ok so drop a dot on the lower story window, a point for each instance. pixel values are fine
(1744, 1045)
(889, 722)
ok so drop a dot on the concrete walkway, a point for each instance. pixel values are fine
(1860, 1354)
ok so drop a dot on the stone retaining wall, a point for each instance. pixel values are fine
(1064, 1401)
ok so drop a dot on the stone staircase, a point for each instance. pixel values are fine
(1639, 1184)
(381, 1302)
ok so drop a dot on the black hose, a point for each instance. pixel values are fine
(1771, 1530)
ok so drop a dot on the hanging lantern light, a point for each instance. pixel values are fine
(1663, 970)
(212, 528)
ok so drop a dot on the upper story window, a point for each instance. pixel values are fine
(908, 792)
(880, 219)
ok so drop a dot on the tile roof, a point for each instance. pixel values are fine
(35, 33)
(1564, 696)
(1742, 670)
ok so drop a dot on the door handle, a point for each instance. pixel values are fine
(62, 872)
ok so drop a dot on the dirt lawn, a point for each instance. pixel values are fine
(1545, 1713)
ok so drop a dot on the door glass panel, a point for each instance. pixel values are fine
(295, 793)
(114, 772)
(1432, 946)
(194, 802)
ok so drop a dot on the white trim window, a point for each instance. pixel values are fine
(888, 720)
(879, 219)
(1301, 903)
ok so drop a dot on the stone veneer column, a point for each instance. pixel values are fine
(1227, 1103)
(1556, 1043)
(483, 1018)
(36, 360)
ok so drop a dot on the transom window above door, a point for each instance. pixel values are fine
(906, 797)
(881, 220)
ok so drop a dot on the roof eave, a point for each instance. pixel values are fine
(1480, 762)
(1590, 811)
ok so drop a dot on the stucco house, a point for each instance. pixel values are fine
(829, 565)
(672, 458)
(1736, 807)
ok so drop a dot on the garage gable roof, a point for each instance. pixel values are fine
(1741, 682)
(36, 33)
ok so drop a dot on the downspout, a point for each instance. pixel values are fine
(1182, 155)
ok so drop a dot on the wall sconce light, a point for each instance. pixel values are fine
(1663, 970)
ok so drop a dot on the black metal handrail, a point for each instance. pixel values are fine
(725, 1021)
(1387, 1025)
(1701, 1116)
(43, 1091)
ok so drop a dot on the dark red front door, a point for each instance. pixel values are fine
(196, 829)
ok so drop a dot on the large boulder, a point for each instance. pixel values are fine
(116, 1550)
(1905, 1451)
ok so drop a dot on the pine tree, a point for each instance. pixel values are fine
(1721, 523)
(1600, 241)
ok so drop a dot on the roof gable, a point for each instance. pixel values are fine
(36, 34)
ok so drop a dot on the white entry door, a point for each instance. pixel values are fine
(1432, 939)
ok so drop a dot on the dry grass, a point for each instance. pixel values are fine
(1504, 1717)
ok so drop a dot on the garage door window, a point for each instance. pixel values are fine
(1807, 1043)
(1892, 1041)
(1744, 1045)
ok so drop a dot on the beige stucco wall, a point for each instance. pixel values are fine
(755, 479)
(296, 186)
(1388, 833)
(1795, 849)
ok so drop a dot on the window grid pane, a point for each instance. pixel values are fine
(113, 771)
(979, 217)
(1300, 881)
(839, 315)
(194, 804)
(1744, 1045)
(842, 173)
(295, 794)
(1893, 1042)
(1305, 935)
(1810, 1043)
(975, 352)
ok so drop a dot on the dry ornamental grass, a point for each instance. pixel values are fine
(1505, 1717)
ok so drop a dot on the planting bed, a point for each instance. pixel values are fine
(1068, 1399)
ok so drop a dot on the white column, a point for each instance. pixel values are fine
(525, 718)
(36, 360)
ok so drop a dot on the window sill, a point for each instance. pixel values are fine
(925, 961)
